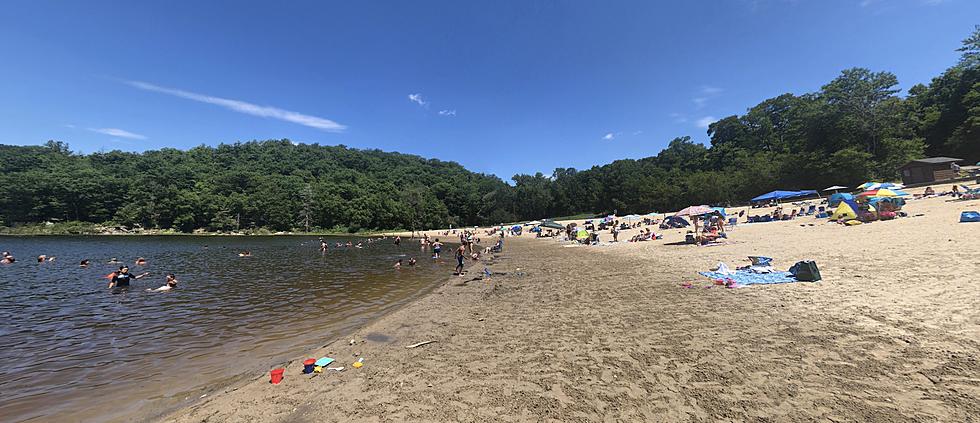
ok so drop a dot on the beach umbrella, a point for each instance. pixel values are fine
(695, 211)
(534, 222)
(551, 225)
(835, 188)
(582, 234)
(883, 192)
(869, 186)
(720, 211)
(632, 218)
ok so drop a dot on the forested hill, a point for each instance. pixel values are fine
(855, 128)
(272, 184)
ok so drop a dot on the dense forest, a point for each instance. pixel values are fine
(855, 128)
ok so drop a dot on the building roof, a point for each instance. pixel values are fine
(936, 160)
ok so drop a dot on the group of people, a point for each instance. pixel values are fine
(120, 278)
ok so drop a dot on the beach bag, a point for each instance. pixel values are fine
(805, 271)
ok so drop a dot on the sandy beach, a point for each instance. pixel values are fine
(563, 332)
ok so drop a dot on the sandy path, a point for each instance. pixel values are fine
(606, 333)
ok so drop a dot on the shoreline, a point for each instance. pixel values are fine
(587, 333)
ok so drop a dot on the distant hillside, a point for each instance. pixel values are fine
(270, 184)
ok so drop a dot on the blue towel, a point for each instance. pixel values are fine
(744, 277)
(969, 216)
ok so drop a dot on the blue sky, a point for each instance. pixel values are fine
(500, 87)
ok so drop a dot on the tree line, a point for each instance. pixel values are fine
(855, 128)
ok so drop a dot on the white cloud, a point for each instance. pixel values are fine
(447, 112)
(608, 136)
(678, 118)
(705, 121)
(417, 98)
(116, 132)
(637, 132)
(247, 108)
(709, 90)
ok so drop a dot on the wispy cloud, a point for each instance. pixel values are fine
(705, 121)
(609, 136)
(246, 108)
(116, 132)
(705, 93)
(635, 133)
(678, 117)
(709, 90)
(417, 98)
(448, 112)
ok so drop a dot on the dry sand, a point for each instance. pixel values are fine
(570, 333)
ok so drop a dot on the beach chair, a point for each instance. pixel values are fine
(732, 222)
(810, 211)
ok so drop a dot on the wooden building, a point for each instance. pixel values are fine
(931, 169)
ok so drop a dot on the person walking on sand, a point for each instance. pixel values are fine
(460, 257)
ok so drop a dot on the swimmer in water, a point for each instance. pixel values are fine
(7, 258)
(171, 284)
(84, 263)
(411, 261)
(398, 264)
(113, 261)
(141, 261)
(323, 245)
(245, 253)
(123, 277)
(358, 245)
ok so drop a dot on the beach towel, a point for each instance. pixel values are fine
(747, 277)
(969, 216)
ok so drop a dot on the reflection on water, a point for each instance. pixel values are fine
(67, 343)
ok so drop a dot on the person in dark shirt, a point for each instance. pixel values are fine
(123, 277)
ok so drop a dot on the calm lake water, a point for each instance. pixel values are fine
(72, 350)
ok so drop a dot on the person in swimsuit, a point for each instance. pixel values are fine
(460, 257)
(171, 284)
(436, 248)
(123, 277)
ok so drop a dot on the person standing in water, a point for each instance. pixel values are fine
(398, 240)
(123, 277)
(436, 248)
(460, 257)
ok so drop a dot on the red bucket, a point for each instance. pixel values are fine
(276, 376)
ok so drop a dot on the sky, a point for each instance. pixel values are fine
(500, 87)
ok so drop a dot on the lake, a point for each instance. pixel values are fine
(72, 349)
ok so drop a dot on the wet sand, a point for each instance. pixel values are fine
(571, 333)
